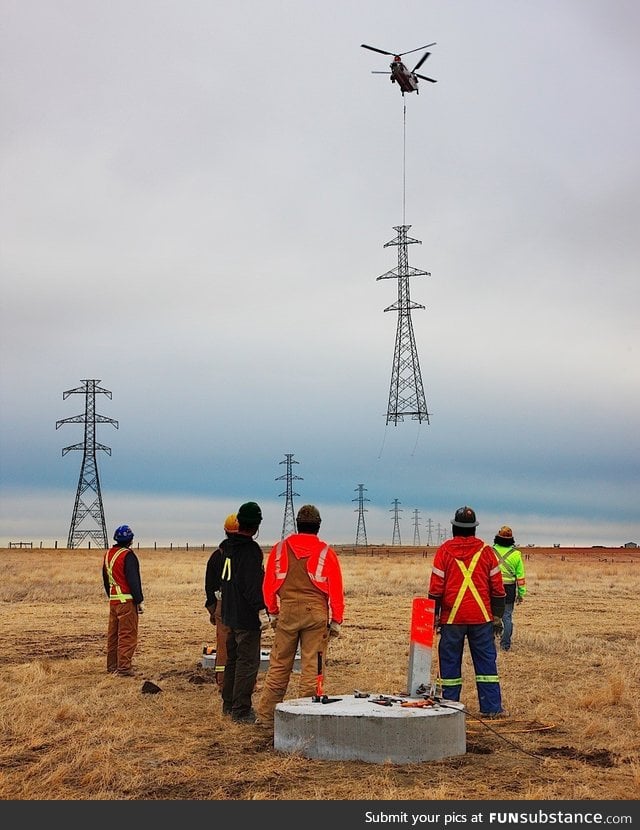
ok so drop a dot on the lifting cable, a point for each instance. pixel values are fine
(404, 160)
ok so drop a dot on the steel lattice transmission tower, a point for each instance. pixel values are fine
(429, 534)
(289, 521)
(396, 523)
(88, 505)
(416, 532)
(406, 393)
(361, 532)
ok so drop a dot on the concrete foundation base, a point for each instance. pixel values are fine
(355, 729)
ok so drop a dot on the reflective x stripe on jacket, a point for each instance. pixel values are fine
(467, 584)
(512, 567)
(510, 576)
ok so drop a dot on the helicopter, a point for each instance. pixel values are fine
(406, 79)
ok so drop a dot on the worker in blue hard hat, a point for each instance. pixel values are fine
(123, 586)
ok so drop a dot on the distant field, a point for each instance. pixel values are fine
(69, 731)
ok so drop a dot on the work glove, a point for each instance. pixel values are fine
(273, 619)
(497, 626)
(264, 621)
(218, 595)
(437, 625)
(141, 608)
(334, 629)
(518, 600)
(212, 615)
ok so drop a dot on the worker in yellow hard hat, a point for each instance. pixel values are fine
(213, 604)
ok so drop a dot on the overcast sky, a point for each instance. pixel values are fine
(196, 198)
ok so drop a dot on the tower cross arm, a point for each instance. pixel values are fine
(102, 419)
(82, 390)
(76, 419)
(397, 306)
(407, 271)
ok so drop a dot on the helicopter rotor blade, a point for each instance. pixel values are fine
(414, 50)
(421, 61)
(424, 78)
(373, 49)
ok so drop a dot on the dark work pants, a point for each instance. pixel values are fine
(241, 670)
(483, 654)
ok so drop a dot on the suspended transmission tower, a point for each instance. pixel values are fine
(416, 532)
(289, 522)
(361, 532)
(406, 393)
(88, 506)
(396, 523)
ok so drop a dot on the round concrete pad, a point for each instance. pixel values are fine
(356, 729)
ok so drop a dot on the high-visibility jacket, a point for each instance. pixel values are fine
(512, 567)
(466, 581)
(121, 575)
(323, 568)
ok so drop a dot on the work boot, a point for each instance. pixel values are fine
(244, 717)
(126, 673)
(494, 715)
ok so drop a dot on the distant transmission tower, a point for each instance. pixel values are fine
(396, 524)
(88, 505)
(406, 393)
(416, 532)
(429, 533)
(289, 522)
(361, 532)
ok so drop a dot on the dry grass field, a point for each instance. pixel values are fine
(571, 684)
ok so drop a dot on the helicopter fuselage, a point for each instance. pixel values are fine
(400, 75)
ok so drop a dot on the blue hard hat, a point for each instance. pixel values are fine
(123, 535)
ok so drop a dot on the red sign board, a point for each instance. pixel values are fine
(422, 620)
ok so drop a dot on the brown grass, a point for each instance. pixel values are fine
(71, 732)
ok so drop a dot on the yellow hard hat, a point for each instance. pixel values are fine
(231, 523)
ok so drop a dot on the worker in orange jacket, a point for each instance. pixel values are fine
(466, 584)
(304, 597)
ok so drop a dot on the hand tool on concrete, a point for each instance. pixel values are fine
(319, 696)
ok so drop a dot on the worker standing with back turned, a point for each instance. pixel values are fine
(123, 586)
(466, 584)
(304, 597)
(513, 577)
(242, 602)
